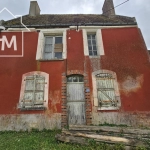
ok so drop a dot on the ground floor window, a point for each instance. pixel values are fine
(34, 91)
(106, 93)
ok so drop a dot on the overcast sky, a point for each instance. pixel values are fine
(133, 8)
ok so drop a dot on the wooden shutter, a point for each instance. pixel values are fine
(34, 91)
(105, 90)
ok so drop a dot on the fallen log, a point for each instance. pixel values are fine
(82, 141)
(102, 138)
(109, 129)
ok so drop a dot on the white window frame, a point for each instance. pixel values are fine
(23, 85)
(99, 42)
(41, 43)
(53, 44)
(95, 96)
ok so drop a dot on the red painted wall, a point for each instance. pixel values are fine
(12, 69)
(125, 54)
(75, 53)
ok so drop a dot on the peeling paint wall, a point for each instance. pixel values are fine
(125, 54)
(135, 119)
(25, 122)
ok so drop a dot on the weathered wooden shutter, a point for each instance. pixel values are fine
(34, 91)
(105, 90)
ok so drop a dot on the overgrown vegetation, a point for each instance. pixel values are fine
(45, 140)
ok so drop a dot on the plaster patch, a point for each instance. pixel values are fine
(131, 84)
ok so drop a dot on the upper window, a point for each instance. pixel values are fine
(51, 45)
(92, 44)
(53, 48)
(34, 91)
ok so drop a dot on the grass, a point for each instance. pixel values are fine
(45, 140)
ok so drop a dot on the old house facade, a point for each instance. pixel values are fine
(73, 69)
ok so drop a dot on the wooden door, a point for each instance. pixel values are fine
(75, 100)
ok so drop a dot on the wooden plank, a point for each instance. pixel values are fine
(109, 129)
(83, 141)
(58, 48)
(112, 139)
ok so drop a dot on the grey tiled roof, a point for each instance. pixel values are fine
(73, 19)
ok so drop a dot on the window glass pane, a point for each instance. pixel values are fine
(94, 42)
(48, 56)
(48, 40)
(94, 48)
(90, 53)
(69, 79)
(75, 79)
(58, 55)
(58, 40)
(89, 42)
(48, 48)
(94, 53)
(90, 47)
(80, 79)
(89, 36)
(93, 36)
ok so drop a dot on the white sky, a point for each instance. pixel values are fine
(133, 8)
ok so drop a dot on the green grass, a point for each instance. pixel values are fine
(45, 140)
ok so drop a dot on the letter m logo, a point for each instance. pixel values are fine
(4, 41)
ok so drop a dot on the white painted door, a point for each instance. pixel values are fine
(75, 100)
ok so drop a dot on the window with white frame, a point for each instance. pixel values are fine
(106, 90)
(92, 47)
(34, 91)
(53, 47)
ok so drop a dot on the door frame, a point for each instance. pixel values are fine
(88, 110)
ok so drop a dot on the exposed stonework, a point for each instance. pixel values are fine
(135, 119)
(25, 122)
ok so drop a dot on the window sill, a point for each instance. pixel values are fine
(108, 108)
(50, 60)
(32, 108)
(94, 56)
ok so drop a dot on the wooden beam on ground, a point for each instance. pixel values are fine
(109, 129)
